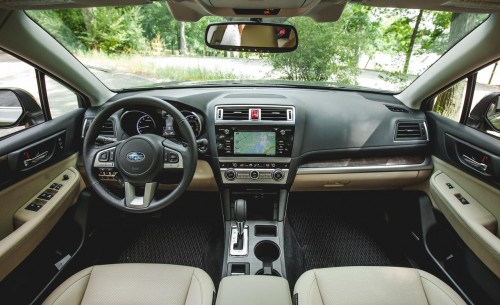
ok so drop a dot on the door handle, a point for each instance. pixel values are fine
(477, 165)
(39, 157)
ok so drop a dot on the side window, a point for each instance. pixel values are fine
(486, 93)
(483, 111)
(61, 99)
(450, 102)
(20, 98)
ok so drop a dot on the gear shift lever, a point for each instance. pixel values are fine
(240, 215)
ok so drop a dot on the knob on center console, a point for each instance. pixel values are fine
(254, 175)
(278, 174)
(230, 174)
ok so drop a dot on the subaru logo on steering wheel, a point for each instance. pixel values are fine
(135, 156)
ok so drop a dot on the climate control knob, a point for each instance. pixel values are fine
(254, 175)
(278, 174)
(230, 174)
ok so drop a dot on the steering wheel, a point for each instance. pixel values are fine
(140, 159)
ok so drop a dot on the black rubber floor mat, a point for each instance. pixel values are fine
(180, 242)
(189, 233)
(335, 234)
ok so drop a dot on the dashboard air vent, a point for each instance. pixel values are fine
(411, 131)
(255, 113)
(234, 114)
(107, 130)
(274, 114)
(396, 109)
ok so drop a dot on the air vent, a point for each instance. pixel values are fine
(273, 114)
(396, 109)
(107, 130)
(410, 131)
(234, 114)
(258, 113)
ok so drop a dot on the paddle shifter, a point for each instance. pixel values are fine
(239, 234)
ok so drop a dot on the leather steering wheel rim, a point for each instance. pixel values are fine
(189, 155)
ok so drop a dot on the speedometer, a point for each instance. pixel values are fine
(146, 124)
(194, 121)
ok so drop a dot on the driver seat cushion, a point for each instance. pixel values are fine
(373, 285)
(135, 284)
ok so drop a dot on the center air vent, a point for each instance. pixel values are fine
(273, 114)
(411, 131)
(254, 113)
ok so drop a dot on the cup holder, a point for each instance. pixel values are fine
(267, 251)
(273, 272)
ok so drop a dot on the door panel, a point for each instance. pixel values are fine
(468, 193)
(22, 226)
(38, 182)
(476, 221)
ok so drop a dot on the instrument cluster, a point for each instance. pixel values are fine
(134, 122)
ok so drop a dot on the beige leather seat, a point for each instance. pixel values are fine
(373, 285)
(136, 284)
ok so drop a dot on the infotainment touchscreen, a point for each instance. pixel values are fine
(255, 143)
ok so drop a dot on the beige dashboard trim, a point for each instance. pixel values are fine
(358, 181)
(16, 245)
(478, 228)
(203, 179)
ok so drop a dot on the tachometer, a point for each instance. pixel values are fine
(146, 124)
(194, 121)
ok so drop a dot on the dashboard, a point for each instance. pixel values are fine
(293, 138)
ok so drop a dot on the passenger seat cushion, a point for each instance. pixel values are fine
(373, 285)
(136, 284)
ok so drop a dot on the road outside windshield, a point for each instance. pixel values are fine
(144, 46)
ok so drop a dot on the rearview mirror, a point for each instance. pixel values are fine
(251, 37)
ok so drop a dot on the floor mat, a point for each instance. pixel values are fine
(339, 230)
(189, 233)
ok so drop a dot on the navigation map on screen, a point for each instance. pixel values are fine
(254, 143)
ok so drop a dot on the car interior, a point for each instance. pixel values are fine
(248, 192)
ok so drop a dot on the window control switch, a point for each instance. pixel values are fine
(461, 199)
(34, 207)
(46, 196)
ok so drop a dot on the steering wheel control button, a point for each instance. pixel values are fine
(254, 175)
(230, 174)
(104, 157)
(173, 157)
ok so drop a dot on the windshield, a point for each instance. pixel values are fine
(369, 48)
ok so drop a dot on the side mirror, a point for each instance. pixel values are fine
(11, 110)
(251, 37)
(486, 114)
(18, 107)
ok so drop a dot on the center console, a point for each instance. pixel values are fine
(254, 150)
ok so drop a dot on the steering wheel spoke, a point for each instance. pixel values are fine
(139, 202)
(174, 155)
(105, 156)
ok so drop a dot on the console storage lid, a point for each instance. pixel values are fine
(253, 289)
